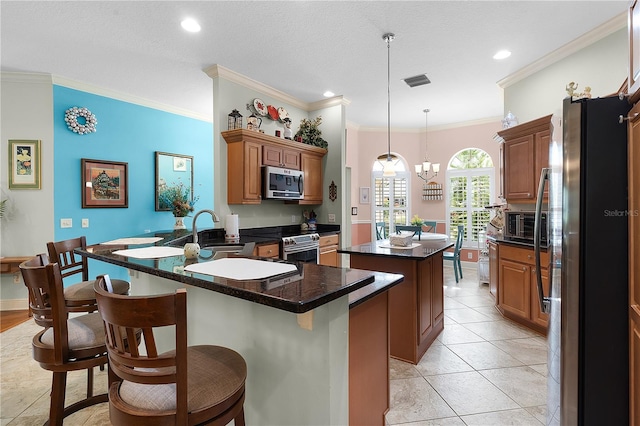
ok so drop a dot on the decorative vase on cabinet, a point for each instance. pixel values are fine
(179, 224)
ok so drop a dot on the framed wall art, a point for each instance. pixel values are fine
(104, 184)
(24, 164)
(364, 195)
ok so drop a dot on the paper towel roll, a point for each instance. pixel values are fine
(231, 231)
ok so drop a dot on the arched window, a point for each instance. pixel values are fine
(390, 198)
(470, 177)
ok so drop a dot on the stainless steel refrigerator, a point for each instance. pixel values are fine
(588, 350)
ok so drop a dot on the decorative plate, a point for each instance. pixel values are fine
(273, 112)
(282, 114)
(260, 107)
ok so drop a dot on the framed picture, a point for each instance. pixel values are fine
(364, 195)
(179, 164)
(104, 184)
(24, 164)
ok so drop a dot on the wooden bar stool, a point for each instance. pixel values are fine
(79, 297)
(65, 344)
(189, 385)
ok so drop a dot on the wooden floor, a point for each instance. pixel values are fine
(10, 319)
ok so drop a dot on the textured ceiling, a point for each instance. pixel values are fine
(302, 48)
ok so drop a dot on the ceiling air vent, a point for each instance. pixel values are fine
(417, 80)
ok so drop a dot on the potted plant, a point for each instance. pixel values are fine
(178, 199)
(416, 220)
(310, 133)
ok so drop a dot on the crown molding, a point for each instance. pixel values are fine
(219, 71)
(26, 77)
(113, 94)
(478, 122)
(615, 24)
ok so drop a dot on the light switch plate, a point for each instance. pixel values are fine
(66, 223)
(85, 223)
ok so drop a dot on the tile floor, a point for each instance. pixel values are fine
(482, 370)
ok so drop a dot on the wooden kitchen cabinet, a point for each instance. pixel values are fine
(312, 168)
(248, 151)
(329, 250)
(267, 250)
(537, 316)
(526, 153)
(518, 287)
(416, 306)
(493, 270)
(280, 157)
(244, 176)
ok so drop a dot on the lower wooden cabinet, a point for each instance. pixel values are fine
(518, 288)
(416, 306)
(267, 250)
(329, 250)
(493, 269)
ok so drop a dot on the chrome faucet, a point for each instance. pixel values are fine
(214, 216)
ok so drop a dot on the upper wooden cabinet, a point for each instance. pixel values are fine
(526, 153)
(273, 155)
(248, 151)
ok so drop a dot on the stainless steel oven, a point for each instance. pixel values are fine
(301, 248)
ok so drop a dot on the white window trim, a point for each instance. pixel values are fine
(490, 171)
(405, 174)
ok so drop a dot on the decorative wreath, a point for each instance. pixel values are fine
(71, 118)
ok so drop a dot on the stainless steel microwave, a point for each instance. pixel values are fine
(520, 226)
(283, 184)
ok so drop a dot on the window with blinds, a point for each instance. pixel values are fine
(470, 176)
(390, 196)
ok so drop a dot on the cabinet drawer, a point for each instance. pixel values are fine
(268, 250)
(522, 255)
(329, 240)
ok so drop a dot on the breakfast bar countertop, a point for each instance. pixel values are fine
(419, 249)
(298, 291)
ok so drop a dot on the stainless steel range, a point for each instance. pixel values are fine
(301, 248)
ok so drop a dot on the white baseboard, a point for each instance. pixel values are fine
(14, 304)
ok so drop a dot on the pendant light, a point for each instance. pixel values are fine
(423, 169)
(388, 170)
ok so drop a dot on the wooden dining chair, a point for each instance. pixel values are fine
(79, 297)
(454, 256)
(429, 226)
(188, 385)
(65, 344)
(380, 231)
(417, 230)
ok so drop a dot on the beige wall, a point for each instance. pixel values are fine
(601, 65)
(364, 146)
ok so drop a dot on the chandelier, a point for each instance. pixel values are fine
(423, 170)
(388, 169)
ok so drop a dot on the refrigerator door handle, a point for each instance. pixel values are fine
(545, 302)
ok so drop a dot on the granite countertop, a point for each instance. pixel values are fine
(299, 291)
(422, 250)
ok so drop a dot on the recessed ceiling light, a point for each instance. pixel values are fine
(190, 25)
(502, 54)
(328, 94)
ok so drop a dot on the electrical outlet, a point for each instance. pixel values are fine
(16, 278)
(469, 255)
(332, 218)
(66, 223)
(85, 223)
(294, 218)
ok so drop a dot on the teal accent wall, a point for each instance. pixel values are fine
(128, 133)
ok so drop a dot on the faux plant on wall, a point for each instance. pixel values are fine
(310, 133)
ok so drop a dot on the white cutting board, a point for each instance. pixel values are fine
(239, 268)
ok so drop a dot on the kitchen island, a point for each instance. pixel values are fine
(416, 306)
(302, 333)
